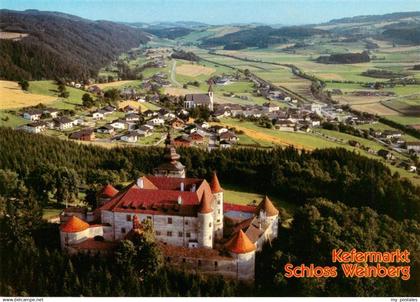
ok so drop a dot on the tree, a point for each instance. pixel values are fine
(62, 90)
(66, 184)
(87, 100)
(24, 84)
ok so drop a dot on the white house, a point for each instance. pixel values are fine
(97, 115)
(63, 123)
(35, 127)
(32, 114)
(118, 124)
(130, 137)
(156, 121)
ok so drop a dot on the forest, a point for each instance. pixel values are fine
(261, 36)
(61, 45)
(342, 199)
(345, 58)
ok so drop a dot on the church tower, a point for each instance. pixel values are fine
(217, 191)
(171, 167)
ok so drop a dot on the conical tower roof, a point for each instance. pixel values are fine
(108, 191)
(74, 225)
(267, 206)
(215, 185)
(240, 244)
(205, 205)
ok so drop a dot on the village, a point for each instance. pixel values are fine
(141, 115)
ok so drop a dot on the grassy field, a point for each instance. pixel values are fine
(8, 119)
(194, 70)
(382, 127)
(12, 96)
(405, 120)
(233, 194)
(298, 140)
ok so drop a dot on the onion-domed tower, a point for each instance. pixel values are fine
(171, 167)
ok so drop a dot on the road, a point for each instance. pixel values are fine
(173, 75)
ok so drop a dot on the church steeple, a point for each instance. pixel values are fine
(171, 166)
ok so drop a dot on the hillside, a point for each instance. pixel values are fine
(400, 28)
(60, 45)
(261, 36)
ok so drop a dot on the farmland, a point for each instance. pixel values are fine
(12, 96)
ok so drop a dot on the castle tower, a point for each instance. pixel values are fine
(268, 215)
(171, 167)
(73, 231)
(205, 222)
(243, 250)
(211, 95)
(217, 191)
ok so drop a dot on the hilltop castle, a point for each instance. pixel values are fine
(196, 228)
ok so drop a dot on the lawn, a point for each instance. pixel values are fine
(8, 119)
(49, 88)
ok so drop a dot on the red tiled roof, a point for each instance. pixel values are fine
(205, 206)
(215, 185)
(173, 183)
(160, 195)
(240, 244)
(74, 225)
(108, 191)
(238, 207)
(267, 206)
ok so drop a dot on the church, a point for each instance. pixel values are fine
(200, 100)
(195, 227)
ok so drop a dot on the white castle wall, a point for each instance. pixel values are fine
(218, 215)
(245, 265)
(180, 232)
(205, 230)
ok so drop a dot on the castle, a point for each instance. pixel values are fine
(195, 227)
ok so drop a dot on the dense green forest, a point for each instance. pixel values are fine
(261, 36)
(61, 45)
(168, 33)
(344, 58)
(343, 201)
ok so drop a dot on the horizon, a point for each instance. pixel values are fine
(217, 12)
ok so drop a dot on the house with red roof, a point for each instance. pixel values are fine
(188, 216)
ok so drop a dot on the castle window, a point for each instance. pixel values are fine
(169, 220)
(218, 220)
(210, 225)
(218, 202)
(128, 217)
(149, 217)
(158, 233)
(123, 230)
(180, 234)
(199, 262)
(183, 260)
(188, 234)
(210, 237)
(216, 264)
(168, 259)
(186, 222)
(218, 211)
(169, 234)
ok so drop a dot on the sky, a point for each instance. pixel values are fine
(287, 12)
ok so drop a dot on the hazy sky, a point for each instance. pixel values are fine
(217, 11)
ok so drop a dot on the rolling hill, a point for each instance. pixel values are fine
(60, 45)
